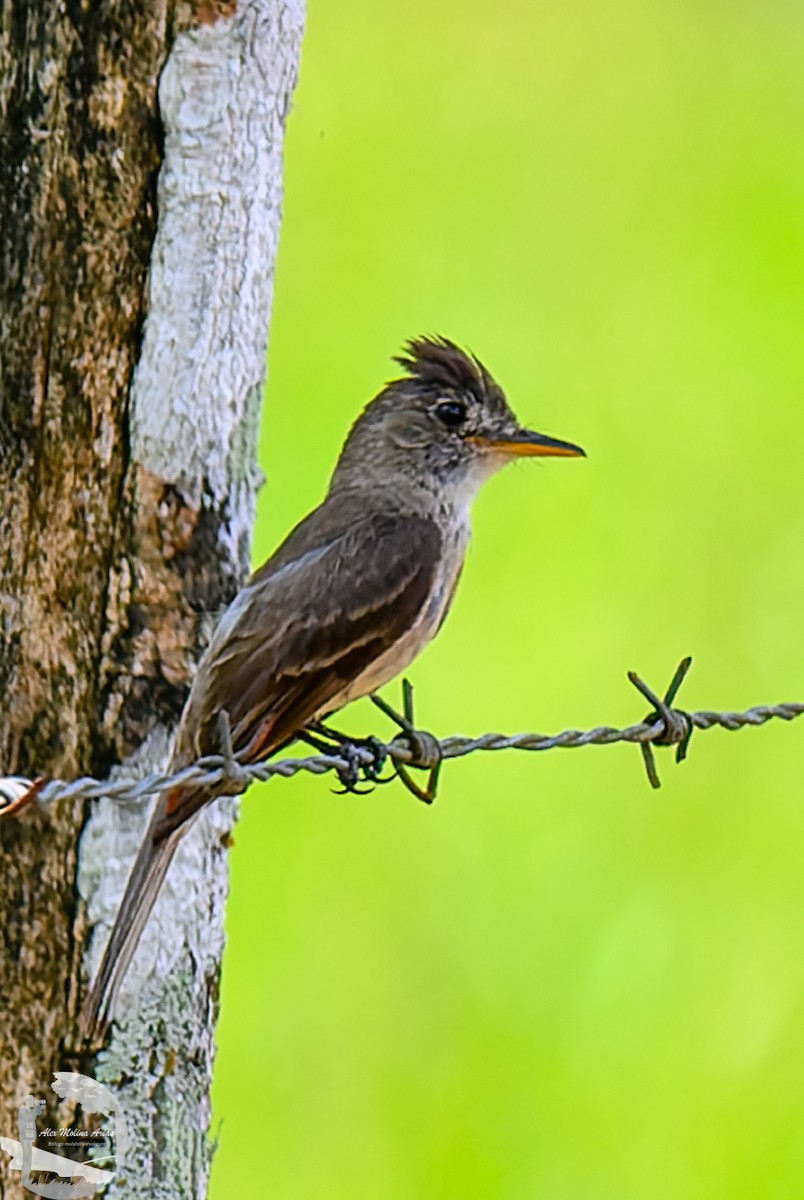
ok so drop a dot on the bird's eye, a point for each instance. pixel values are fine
(451, 413)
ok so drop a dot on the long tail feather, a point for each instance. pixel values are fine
(145, 880)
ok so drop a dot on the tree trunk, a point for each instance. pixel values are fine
(132, 356)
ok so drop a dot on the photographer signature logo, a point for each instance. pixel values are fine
(77, 1178)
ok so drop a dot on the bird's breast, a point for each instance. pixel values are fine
(401, 654)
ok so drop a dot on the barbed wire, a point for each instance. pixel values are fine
(362, 759)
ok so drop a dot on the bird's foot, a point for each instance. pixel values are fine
(364, 758)
(425, 748)
(361, 766)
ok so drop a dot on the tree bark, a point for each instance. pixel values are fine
(132, 358)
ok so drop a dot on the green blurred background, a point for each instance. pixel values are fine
(555, 983)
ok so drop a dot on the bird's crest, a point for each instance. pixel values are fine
(437, 362)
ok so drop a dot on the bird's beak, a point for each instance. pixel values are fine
(527, 444)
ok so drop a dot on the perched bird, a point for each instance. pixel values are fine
(348, 600)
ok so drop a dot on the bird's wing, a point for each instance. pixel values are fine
(303, 630)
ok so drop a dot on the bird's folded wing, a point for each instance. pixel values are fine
(305, 628)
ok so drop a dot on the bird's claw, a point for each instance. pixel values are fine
(423, 748)
(359, 768)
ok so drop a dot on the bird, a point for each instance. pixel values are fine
(351, 596)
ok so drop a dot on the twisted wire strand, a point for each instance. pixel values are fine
(606, 735)
(217, 768)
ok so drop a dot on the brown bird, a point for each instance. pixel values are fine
(348, 600)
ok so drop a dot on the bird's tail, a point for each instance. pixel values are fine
(144, 882)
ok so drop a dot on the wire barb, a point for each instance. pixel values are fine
(424, 748)
(664, 726)
(233, 771)
(675, 725)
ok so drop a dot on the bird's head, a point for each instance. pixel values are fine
(446, 425)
